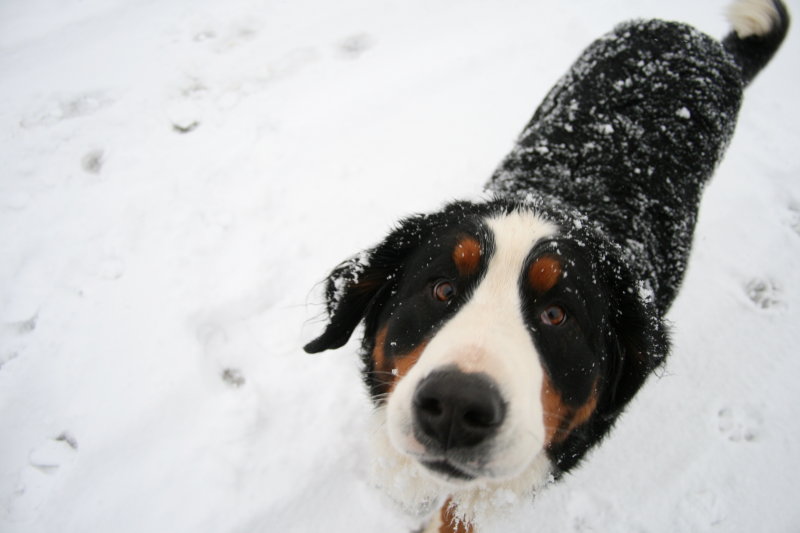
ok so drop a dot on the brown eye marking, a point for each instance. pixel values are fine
(444, 291)
(561, 419)
(544, 273)
(553, 316)
(467, 255)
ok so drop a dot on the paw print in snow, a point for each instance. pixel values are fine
(54, 454)
(183, 115)
(588, 512)
(15, 335)
(92, 161)
(66, 108)
(763, 293)
(699, 510)
(46, 463)
(233, 377)
(739, 424)
(353, 46)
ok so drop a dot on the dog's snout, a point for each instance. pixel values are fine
(453, 409)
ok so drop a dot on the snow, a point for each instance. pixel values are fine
(180, 176)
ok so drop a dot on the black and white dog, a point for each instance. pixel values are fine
(503, 338)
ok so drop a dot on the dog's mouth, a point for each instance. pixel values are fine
(448, 470)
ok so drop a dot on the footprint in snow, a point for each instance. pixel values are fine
(15, 334)
(45, 463)
(588, 512)
(353, 46)
(223, 40)
(92, 162)
(699, 510)
(740, 424)
(66, 108)
(763, 293)
(54, 453)
(220, 346)
(23, 327)
(233, 377)
(183, 115)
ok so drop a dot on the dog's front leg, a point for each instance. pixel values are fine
(445, 521)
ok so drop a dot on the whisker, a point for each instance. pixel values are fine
(382, 372)
(381, 396)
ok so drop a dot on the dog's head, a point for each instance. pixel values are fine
(493, 336)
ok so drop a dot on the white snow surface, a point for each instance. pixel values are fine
(179, 176)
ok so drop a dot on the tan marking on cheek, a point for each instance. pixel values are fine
(404, 363)
(467, 256)
(559, 418)
(389, 369)
(449, 522)
(379, 351)
(555, 412)
(382, 366)
(584, 412)
(544, 273)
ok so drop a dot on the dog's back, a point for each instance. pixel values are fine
(636, 127)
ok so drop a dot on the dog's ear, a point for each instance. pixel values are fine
(359, 287)
(638, 340)
(349, 289)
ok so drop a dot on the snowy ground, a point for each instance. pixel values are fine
(176, 178)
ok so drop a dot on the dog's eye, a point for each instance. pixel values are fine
(444, 291)
(553, 316)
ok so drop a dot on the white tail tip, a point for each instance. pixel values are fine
(753, 17)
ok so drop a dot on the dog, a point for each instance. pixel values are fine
(502, 338)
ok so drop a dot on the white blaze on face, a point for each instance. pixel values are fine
(489, 335)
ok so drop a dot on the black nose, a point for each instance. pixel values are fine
(453, 409)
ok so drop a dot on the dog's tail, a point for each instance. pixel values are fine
(759, 27)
